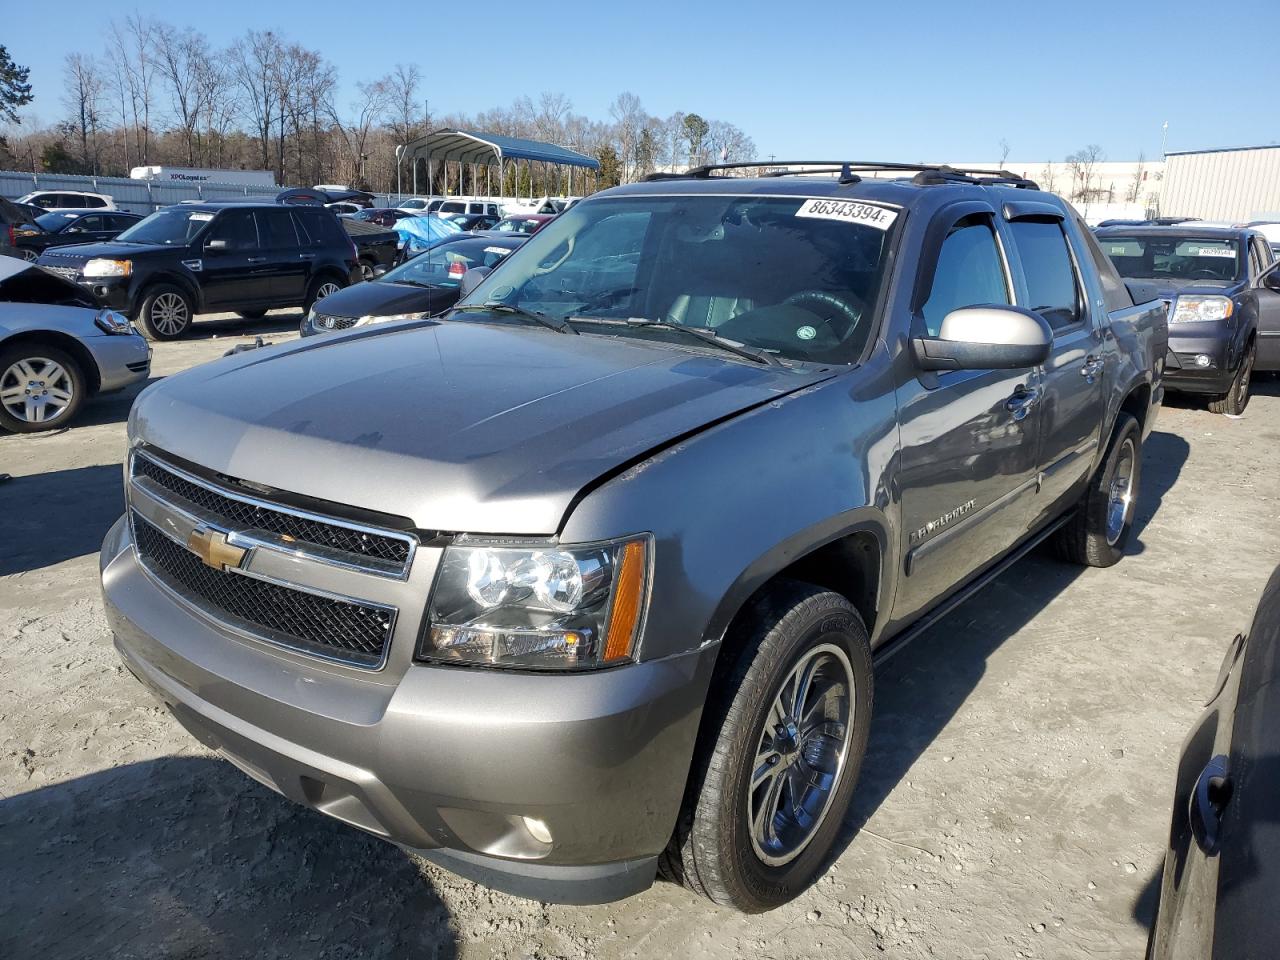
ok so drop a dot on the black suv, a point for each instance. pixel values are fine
(203, 257)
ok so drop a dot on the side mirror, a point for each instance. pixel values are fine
(991, 337)
(1271, 279)
(215, 246)
(471, 279)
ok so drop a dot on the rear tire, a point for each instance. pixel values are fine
(1099, 532)
(41, 388)
(771, 783)
(1234, 401)
(320, 288)
(166, 312)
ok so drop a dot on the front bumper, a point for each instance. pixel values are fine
(1183, 373)
(451, 763)
(111, 292)
(122, 360)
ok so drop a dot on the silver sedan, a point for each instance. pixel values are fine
(57, 348)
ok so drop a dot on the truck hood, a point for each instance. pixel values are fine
(80, 253)
(457, 425)
(1168, 289)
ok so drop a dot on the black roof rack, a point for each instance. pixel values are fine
(925, 173)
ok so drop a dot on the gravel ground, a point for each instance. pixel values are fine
(1014, 801)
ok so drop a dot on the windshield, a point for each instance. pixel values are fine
(443, 264)
(54, 222)
(796, 276)
(414, 205)
(174, 226)
(1174, 258)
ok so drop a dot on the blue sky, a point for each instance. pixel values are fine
(880, 81)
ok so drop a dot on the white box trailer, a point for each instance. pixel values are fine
(196, 176)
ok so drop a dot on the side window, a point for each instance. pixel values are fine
(95, 202)
(86, 224)
(237, 229)
(1114, 291)
(275, 227)
(307, 236)
(969, 272)
(1051, 277)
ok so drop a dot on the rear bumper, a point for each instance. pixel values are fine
(466, 767)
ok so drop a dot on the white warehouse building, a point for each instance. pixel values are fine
(1237, 184)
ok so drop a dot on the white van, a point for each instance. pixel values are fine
(240, 178)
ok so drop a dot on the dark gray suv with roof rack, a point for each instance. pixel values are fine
(633, 520)
(195, 258)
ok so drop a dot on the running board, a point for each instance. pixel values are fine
(894, 645)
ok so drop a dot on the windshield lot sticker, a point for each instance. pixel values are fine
(1210, 252)
(201, 217)
(850, 211)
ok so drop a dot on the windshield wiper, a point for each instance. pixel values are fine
(705, 336)
(559, 326)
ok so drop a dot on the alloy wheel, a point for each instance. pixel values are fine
(169, 314)
(327, 288)
(1120, 495)
(800, 755)
(36, 389)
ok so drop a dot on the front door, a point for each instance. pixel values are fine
(1072, 379)
(967, 477)
(232, 268)
(1268, 309)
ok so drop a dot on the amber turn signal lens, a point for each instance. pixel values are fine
(624, 618)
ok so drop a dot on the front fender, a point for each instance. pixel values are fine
(730, 507)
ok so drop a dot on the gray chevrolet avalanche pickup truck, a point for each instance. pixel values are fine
(585, 580)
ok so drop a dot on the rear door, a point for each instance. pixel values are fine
(232, 269)
(1268, 308)
(968, 468)
(286, 261)
(1050, 283)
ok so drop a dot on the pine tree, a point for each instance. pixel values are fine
(15, 91)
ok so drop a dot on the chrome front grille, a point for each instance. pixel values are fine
(353, 631)
(315, 584)
(326, 321)
(378, 551)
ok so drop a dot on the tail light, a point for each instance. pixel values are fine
(457, 269)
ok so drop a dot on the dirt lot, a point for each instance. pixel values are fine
(1014, 801)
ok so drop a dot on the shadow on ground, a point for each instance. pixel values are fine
(182, 857)
(920, 689)
(280, 321)
(46, 518)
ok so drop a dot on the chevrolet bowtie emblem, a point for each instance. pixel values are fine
(214, 550)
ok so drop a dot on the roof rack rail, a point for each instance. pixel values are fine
(925, 173)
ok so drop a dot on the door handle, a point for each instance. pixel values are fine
(1209, 798)
(1092, 367)
(257, 260)
(1021, 402)
(306, 256)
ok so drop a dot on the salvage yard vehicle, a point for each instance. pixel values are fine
(633, 520)
(1222, 289)
(58, 348)
(1220, 881)
(195, 258)
(425, 286)
(59, 228)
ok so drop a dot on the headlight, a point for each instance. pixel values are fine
(108, 321)
(546, 606)
(99, 267)
(1190, 309)
(370, 318)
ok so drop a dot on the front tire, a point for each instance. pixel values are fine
(1099, 532)
(41, 388)
(783, 738)
(1234, 401)
(166, 312)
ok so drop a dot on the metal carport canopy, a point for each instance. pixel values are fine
(466, 146)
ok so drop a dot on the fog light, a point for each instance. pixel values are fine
(537, 829)
(1202, 360)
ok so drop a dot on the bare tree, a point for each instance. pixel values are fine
(82, 97)
(367, 110)
(1048, 179)
(406, 114)
(728, 144)
(1083, 165)
(130, 45)
(1139, 175)
(180, 56)
(628, 117)
(1004, 151)
(252, 60)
